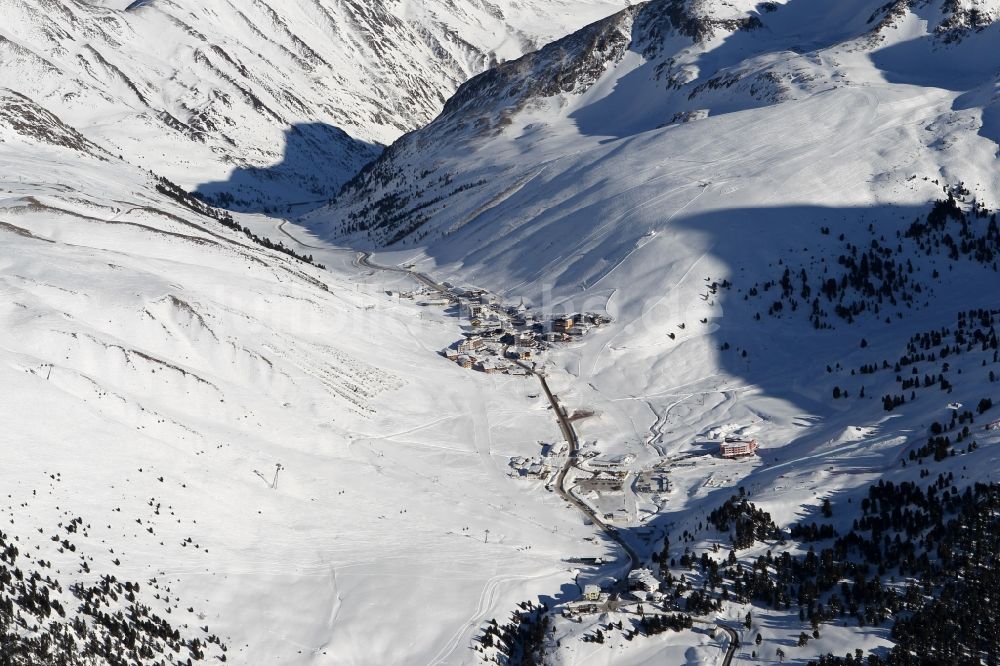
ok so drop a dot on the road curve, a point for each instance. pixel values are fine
(364, 260)
(734, 644)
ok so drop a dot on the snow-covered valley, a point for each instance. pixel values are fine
(155, 362)
(774, 223)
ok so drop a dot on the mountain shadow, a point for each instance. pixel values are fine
(318, 159)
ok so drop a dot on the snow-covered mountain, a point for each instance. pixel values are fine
(671, 83)
(748, 190)
(784, 208)
(261, 102)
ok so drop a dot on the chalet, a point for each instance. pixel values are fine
(557, 449)
(519, 353)
(474, 310)
(642, 579)
(489, 366)
(537, 470)
(451, 354)
(470, 345)
(737, 448)
(563, 324)
(465, 361)
(592, 593)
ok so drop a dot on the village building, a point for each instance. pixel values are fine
(654, 480)
(465, 361)
(538, 470)
(473, 310)
(519, 353)
(557, 448)
(642, 579)
(612, 463)
(470, 345)
(602, 483)
(489, 366)
(737, 448)
(562, 324)
(428, 302)
(592, 593)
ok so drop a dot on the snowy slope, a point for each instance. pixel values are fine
(667, 165)
(675, 145)
(586, 188)
(153, 362)
(265, 102)
(628, 84)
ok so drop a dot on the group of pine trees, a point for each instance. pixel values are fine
(175, 192)
(876, 277)
(519, 641)
(922, 558)
(109, 625)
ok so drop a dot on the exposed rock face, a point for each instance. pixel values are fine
(296, 96)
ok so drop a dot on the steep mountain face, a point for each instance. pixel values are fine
(264, 102)
(632, 82)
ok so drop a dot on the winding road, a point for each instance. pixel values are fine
(569, 433)
(364, 260)
(574, 446)
(734, 644)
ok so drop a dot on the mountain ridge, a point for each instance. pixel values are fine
(228, 82)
